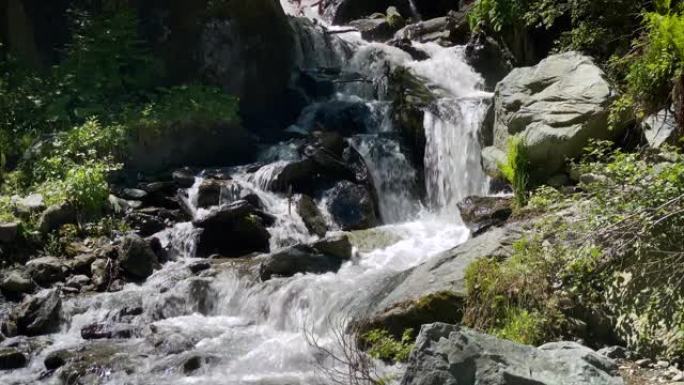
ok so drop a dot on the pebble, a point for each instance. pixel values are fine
(644, 362)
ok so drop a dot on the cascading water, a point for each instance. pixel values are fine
(250, 332)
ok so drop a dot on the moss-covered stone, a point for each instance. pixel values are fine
(443, 306)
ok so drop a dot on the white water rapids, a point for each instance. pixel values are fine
(249, 332)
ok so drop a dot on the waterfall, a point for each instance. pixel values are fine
(248, 332)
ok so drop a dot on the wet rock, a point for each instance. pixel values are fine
(449, 354)
(198, 267)
(136, 257)
(446, 30)
(102, 273)
(145, 224)
(133, 194)
(184, 178)
(78, 281)
(81, 263)
(407, 46)
(192, 364)
(55, 217)
(311, 215)
(225, 214)
(121, 206)
(38, 314)
(374, 29)
(100, 331)
(15, 283)
(8, 232)
(11, 358)
(234, 238)
(316, 258)
(209, 193)
(352, 206)
(337, 245)
(56, 359)
(489, 58)
(343, 117)
(46, 271)
(481, 213)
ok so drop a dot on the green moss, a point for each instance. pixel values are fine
(383, 346)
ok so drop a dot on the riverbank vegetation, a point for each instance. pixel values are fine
(66, 130)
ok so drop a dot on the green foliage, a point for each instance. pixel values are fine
(495, 14)
(106, 66)
(66, 129)
(522, 326)
(619, 253)
(513, 299)
(544, 198)
(656, 59)
(197, 104)
(383, 346)
(516, 169)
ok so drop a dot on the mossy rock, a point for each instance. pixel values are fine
(443, 306)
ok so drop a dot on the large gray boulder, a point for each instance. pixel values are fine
(556, 106)
(454, 355)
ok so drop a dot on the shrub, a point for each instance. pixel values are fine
(383, 346)
(656, 59)
(516, 169)
(196, 104)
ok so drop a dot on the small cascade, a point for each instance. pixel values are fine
(393, 177)
(452, 156)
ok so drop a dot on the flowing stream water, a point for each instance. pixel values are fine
(251, 332)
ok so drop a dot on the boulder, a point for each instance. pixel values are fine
(145, 224)
(11, 358)
(556, 106)
(38, 314)
(661, 128)
(340, 116)
(488, 57)
(56, 359)
(136, 257)
(184, 178)
(322, 257)
(9, 232)
(232, 230)
(450, 354)
(448, 29)
(209, 193)
(352, 206)
(46, 270)
(80, 264)
(256, 37)
(311, 215)
(444, 273)
(56, 216)
(374, 29)
(481, 213)
(344, 11)
(15, 283)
